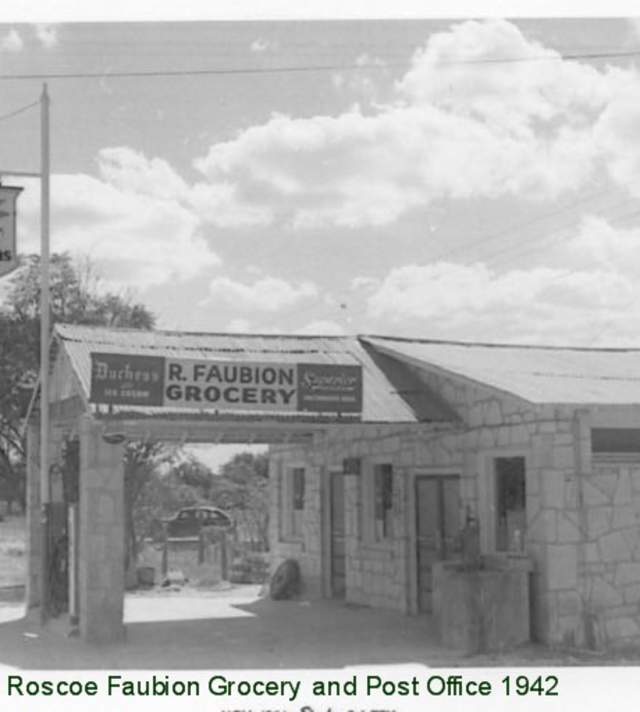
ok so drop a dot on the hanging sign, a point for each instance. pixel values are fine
(8, 252)
(120, 379)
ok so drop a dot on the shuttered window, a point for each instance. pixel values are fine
(292, 499)
(383, 501)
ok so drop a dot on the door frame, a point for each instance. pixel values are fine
(412, 527)
(325, 484)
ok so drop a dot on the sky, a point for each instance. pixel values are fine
(446, 179)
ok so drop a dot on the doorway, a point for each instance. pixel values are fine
(437, 500)
(337, 535)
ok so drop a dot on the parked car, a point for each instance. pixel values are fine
(188, 521)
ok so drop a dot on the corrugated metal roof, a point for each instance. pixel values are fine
(381, 401)
(539, 374)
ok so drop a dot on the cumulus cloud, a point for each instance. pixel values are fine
(618, 134)
(460, 125)
(427, 291)
(129, 170)
(12, 41)
(599, 243)
(221, 204)
(460, 71)
(359, 83)
(47, 35)
(266, 294)
(260, 45)
(129, 220)
(588, 293)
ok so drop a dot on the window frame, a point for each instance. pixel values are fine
(507, 544)
(375, 530)
(292, 517)
(487, 495)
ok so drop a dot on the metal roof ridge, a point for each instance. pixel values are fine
(175, 332)
(360, 339)
(498, 345)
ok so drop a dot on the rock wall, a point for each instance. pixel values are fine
(610, 567)
(582, 517)
(307, 548)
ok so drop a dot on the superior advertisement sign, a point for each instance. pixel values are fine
(120, 379)
(8, 252)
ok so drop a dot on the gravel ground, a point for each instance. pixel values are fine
(237, 629)
(12, 551)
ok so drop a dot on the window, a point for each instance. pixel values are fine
(615, 440)
(510, 503)
(383, 501)
(293, 494)
(298, 488)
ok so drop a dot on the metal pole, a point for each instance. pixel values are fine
(45, 494)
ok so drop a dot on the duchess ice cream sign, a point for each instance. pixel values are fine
(226, 386)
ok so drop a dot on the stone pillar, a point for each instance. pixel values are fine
(34, 525)
(101, 540)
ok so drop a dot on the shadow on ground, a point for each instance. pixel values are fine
(239, 630)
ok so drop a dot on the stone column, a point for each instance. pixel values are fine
(34, 525)
(101, 540)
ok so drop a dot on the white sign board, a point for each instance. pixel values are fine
(149, 380)
(8, 252)
(231, 386)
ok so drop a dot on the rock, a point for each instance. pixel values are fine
(174, 578)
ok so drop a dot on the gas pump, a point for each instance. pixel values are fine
(63, 477)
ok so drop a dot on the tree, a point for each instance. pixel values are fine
(16, 378)
(143, 462)
(76, 298)
(243, 488)
(195, 474)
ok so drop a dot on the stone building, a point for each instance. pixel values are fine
(381, 449)
(540, 445)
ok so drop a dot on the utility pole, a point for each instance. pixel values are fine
(45, 493)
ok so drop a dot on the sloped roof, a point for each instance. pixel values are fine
(381, 400)
(538, 374)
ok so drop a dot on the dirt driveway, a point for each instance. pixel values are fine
(237, 629)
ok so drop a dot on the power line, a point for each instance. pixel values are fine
(546, 58)
(359, 311)
(509, 230)
(230, 71)
(522, 250)
(16, 112)
(345, 296)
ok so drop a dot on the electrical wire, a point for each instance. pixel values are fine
(545, 58)
(570, 222)
(509, 231)
(308, 68)
(21, 110)
(531, 247)
(522, 250)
